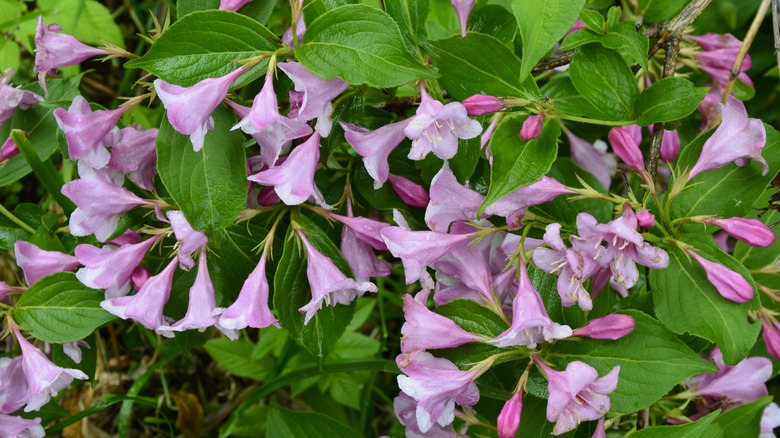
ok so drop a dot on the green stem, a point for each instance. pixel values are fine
(595, 121)
(16, 220)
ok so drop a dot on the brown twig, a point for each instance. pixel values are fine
(746, 43)
(643, 419)
(670, 38)
(776, 28)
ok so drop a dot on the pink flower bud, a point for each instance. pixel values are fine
(613, 326)
(139, 277)
(480, 104)
(411, 193)
(531, 129)
(645, 218)
(730, 284)
(771, 336)
(751, 231)
(509, 419)
(8, 149)
(626, 148)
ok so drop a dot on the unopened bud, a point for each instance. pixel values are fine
(531, 129)
(751, 231)
(645, 218)
(411, 193)
(731, 285)
(626, 147)
(613, 326)
(480, 104)
(509, 419)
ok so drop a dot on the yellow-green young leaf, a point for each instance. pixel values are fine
(59, 309)
(517, 163)
(606, 81)
(652, 361)
(478, 64)
(543, 23)
(9, 54)
(361, 45)
(204, 45)
(209, 185)
(685, 301)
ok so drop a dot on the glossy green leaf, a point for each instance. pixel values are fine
(567, 99)
(743, 420)
(473, 317)
(361, 45)
(580, 38)
(700, 428)
(209, 185)
(517, 163)
(292, 291)
(669, 99)
(59, 309)
(543, 23)
(493, 20)
(478, 64)
(204, 45)
(685, 301)
(652, 361)
(284, 423)
(606, 81)
(411, 17)
(236, 357)
(625, 36)
(184, 7)
(654, 11)
(593, 20)
(88, 20)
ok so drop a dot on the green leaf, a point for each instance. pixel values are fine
(654, 11)
(478, 64)
(184, 7)
(699, 428)
(606, 81)
(613, 17)
(236, 357)
(292, 291)
(209, 185)
(625, 36)
(493, 20)
(580, 38)
(284, 423)
(741, 420)
(87, 20)
(652, 361)
(669, 99)
(473, 317)
(517, 163)
(204, 45)
(593, 19)
(9, 54)
(685, 301)
(59, 309)
(533, 421)
(361, 45)
(730, 191)
(250, 422)
(567, 99)
(236, 246)
(412, 19)
(543, 23)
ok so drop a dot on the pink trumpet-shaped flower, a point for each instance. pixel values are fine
(111, 268)
(613, 326)
(418, 249)
(375, 146)
(358, 236)
(532, 128)
(136, 155)
(189, 108)
(509, 419)
(627, 148)
(312, 96)
(201, 305)
(365, 229)
(717, 59)
(770, 332)
(426, 330)
(600, 432)
(731, 285)
(12, 426)
(751, 231)
(513, 205)
(577, 394)
(12, 98)
(293, 180)
(530, 323)
(13, 385)
(436, 128)
(44, 379)
(480, 104)
(86, 131)
(54, 50)
(594, 158)
(410, 192)
(738, 139)
(450, 201)
(99, 198)
(463, 10)
(405, 408)
(300, 31)
(146, 306)
(328, 283)
(189, 239)
(770, 420)
(742, 383)
(251, 307)
(37, 263)
(437, 384)
(232, 5)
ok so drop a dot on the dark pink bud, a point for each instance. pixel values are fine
(480, 104)
(771, 336)
(730, 284)
(8, 149)
(645, 218)
(411, 193)
(509, 419)
(531, 129)
(613, 326)
(139, 277)
(751, 231)
(626, 147)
